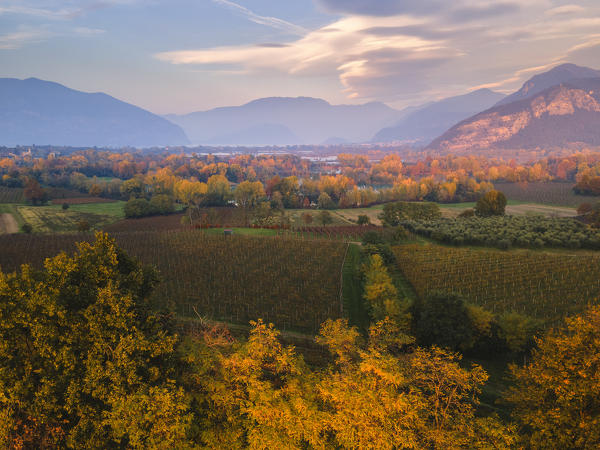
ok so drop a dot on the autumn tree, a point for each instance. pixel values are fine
(555, 396)
(416, 398)
(218, 191)
(247, 194)
(379, 291)
(34, 193)
(492, 203)
(83, 360)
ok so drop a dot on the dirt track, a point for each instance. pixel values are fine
(8, 224)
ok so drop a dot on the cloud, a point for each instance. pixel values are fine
(405, 52)
(565, 10)
(381, 7)
(477, 12)
(22, 37)
(272, 22)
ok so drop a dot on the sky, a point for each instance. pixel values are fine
(179, 56)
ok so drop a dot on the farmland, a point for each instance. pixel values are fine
(543, 285)
(51, 219)
(11, 195)
(555, 194)
(292, 283)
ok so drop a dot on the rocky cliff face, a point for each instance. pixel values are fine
(561, 115)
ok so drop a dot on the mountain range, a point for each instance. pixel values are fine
(34, 111)
(428, 122)
(286, 121)
(564, 113)
(556, 108)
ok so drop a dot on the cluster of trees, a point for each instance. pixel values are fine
(590, 213)
(587, 185)
(508, 231)
(84, 362)
(395, 213)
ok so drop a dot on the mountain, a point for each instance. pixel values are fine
(565, 114)
(559, 74)
(425, 124)
(307, 120)
(34, 111)
(255, 136)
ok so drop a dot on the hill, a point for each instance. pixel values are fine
(286, 121)
(559, 74)
(425, 124)
(561, 115)
(34, 111)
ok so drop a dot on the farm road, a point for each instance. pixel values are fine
(8, 224)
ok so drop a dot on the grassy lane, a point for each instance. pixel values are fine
(354, 306)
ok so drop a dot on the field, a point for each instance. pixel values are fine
(293, 283)
(352, 214)
(514, 208)
(554, 194)
(543, 285)
(52, 219)
(171, 222)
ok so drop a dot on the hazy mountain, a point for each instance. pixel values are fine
(425, 124)
(308, 120)
(555, 117)
(255, 136)
(559, 74)
(40, 112)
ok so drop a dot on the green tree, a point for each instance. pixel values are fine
(162, 204)
(325, 201)
(83, 360)
(394, 213)
(518, 331)
(492, 203)
(138, 207)
(325, 217)
(442, 319)
(555, 397)
(363, 220)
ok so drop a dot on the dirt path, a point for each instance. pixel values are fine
(8, 224)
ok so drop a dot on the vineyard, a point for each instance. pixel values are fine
(292, 283)
(543, 285)
(346, 233)
(11, 195)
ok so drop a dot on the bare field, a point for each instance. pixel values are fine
(8, 224)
